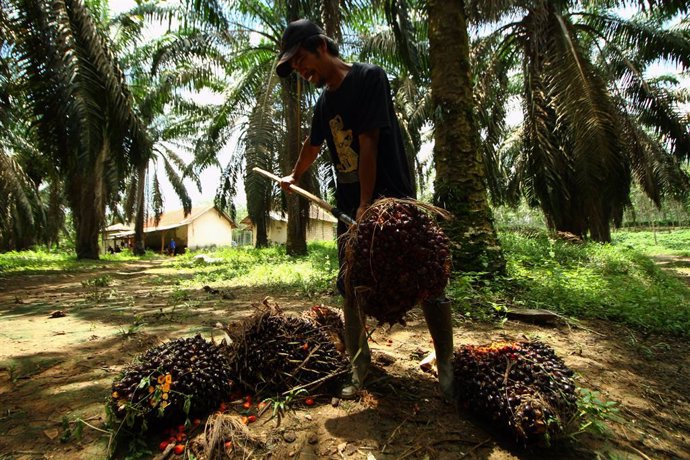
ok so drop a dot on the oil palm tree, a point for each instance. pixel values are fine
(27, 216)
(592, 122)
(439, 58)
(402, 49)
(18, 212)
(269, 115)
(171, 118)
(81, 107)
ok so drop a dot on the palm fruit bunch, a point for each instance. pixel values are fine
(273, 353)
(330, 321)
(169, 382)
(395, 257)
(523, 386)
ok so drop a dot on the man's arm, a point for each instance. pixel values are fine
(306, 157)
(368, 151)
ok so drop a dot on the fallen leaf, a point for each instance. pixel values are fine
(51, 433)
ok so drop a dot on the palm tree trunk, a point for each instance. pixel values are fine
(88, 204)
(297, 207)
(258, 202)
(330, 15)
(139, 242)
(459, 186)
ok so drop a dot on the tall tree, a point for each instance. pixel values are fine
(592, 121)
(28, 216)
(172, 119)
(460, 185)
(82, 109)
(255, 99)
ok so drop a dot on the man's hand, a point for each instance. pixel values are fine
(286, 182)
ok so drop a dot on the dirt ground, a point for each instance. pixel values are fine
(54, 370)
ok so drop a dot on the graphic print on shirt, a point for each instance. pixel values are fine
(342, 138)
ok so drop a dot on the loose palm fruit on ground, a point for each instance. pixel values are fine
(396, 257)
(522, 386)
(169, 382)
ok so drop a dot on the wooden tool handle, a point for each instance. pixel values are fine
(310, 196)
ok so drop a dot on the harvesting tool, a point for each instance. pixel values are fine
(337, 213)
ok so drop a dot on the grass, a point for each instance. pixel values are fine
(309, 275)
(664, 241)
(617, 282)
(41, 260)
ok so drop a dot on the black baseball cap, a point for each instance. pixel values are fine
(295, 33)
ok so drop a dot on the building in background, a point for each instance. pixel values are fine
(206, 226)
(321, 226)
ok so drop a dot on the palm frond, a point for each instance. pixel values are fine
(178, 185)
(491, 11)
(184, 47)
(657, 109)
(667, 8)
(206, 13)
(647, 41)
(408, 36)
(20, 196)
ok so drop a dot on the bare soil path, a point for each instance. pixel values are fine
(677, 265)
(53, 370)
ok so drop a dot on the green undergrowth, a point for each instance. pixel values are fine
(665, 241)
(308, 275)
(617, 282)
(42, 260)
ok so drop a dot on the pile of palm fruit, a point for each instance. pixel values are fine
(523, 386)
(330, 321)
(171, 381)
(273, 353)
(396, 257)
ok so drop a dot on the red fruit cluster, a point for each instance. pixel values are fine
(522, 386)
(397, 256)
(273, 353)
(158, 384)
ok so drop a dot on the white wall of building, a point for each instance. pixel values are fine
(318, 230)
(277, 231)
(209, 229)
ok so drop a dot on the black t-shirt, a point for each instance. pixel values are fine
(361, 103)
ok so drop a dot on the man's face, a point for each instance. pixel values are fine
(310, 66)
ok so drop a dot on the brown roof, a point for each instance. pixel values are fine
(176, 218)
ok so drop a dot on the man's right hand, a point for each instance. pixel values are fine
(286, 182)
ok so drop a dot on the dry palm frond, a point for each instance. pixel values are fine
(221, 428)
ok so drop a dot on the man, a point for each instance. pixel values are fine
(173, 247)
(355, 116)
